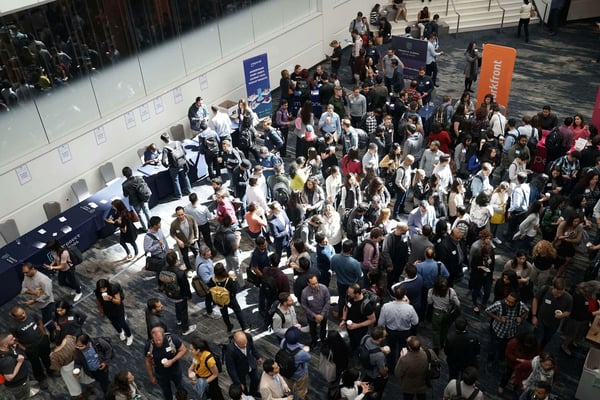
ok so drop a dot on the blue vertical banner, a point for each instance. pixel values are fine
(256, 72)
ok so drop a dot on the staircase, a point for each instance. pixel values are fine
(474, 14)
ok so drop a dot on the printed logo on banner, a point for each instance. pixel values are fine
(412, 53)
(256, 73)
(495, 76)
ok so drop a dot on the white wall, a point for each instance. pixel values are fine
(303, 41)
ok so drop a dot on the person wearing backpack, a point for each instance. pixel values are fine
(358, 315)
(242, 361)
(223, 291)
(162, 354)
(204, 370)
(315, 303)
(412, 369)
(174, 159)
(62, 262)
(110, 302)
(227, 242)
(372, 360)
(464, 389)
(174, 284)
(92, 358)
(138, 193)
(284, 315)
(296, 376)
(259, 260)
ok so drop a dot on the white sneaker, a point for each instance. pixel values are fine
(191, 329)
(33, 391)
(122, 335)
(497, 241)
(213, 315)
(77, 297)
(129, 340)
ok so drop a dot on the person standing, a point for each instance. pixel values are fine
(39, 287)
(242, 361)
(376, 373)
(154, 316)
(173, 158)
(358, 315)
(472, 55)
(223, 281)
(272, 385)
(411, 369)
(206, 271)
(138, 193)
(387, 69)
(202, 215)
(549, 306)
(120, 218)
(399, 319)
(298, 382)
(525, 13)
(203, 371)
(462, 349)
(109, 300)
(464, 387)
(92, 358)
(197, 113)
(32, 338)
(315, 303)
(335, 57)
(227, 242)
(556, 9)
(174, 283)
(506, 314)
(155, 244)
(347, 271)
(184, 230)
(14, 369)
(430, 62)
(163, 352)
(61, 262)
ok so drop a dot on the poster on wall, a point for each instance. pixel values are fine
(495, 76)
(412, 52)
(256, 73)
(23, 174)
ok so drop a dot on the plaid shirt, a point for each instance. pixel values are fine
(508, 329)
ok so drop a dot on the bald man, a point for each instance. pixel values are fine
(395, 252)
(242, 361)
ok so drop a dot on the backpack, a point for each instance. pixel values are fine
(245, 138)
(176, 155)
(142, 189)
(74, 255)
(372, 298)
(428, 30)
(274, 309)
(270, 286)
(434, 367)
(211, 145)
(281, 193)
(459, 396)
(169, 284)
(286, 360)
(441, 115)
(363, 139)
(468, 187)
(221, 244)
(554, 142)
(360, 250)
(220, 294)
(218, 362)
(364, 354)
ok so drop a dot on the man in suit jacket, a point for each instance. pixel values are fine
(242, 361)
(279, 227)
(272, 385)
(185, 232)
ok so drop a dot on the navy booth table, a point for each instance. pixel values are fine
(427, 113)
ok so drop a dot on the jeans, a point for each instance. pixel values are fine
(400, 199)
(185, 255)
(171, 374)
(181, 314)
(69, 278)
(205, 232)
(179, 174)
(523, 22)
(118, 322)
(20, 392)
(102, 377)
(237, 310)
(142, 208)
(232, 262)
(123, 242)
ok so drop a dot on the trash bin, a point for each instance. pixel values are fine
(589, 382)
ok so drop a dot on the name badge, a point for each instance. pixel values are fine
(70, 318)
(35, 327)
(453, 252)
(168, 349)
(348, 305)
(310, 298)
(547, 301)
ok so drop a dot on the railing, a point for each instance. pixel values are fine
(455, 12)
(503, 12)
(537, 9)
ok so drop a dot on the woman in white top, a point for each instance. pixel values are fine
(525, 13)
(529, 228)
(498, 203)
(456, 198)
(333, 183)
(332, 228)
(481, 211)
(351, 386)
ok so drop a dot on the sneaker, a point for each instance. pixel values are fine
(179, 323)
(77, 297)
(497, 240)
(129, 340)
(122, 336)
(212, 315)
(191, 329)
(129, 256)
(33, 392)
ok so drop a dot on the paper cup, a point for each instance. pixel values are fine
(164, 361)
(105, 295)
(558, 312)
(192, 375)
(349, 322)
(76, 371)
(386, 349)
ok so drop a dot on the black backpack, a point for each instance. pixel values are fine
(270, 286)
(360, 250)
(246, 138)
(74, 255)
(169, 284)
(441, 115)
(281, 193)
(364, 354)
(459, 396)
(142, 189)
(211, 145)
(176, 155)
(274, 309)
(554, 141)
(220, 242)
(286, 360)
(363, 139)
(434, 368)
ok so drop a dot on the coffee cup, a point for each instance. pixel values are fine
(192, 375)
(589, 244)
(164, 361)
(558, 312)
(76, 371)
(349, 322)
(386, 349)
(105, 295)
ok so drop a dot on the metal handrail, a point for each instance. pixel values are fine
(503, 13)
(537, 9)
(455, 12)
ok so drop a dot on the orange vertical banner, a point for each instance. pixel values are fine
(495, 76)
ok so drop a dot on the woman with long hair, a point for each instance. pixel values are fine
(109, 300)
(125, 388)
(544, 259)
(524, 17)
(312, 197)
(523, 270)
(223, 279)
(418, 188)
(299, 250)
(305, 118)
(384, 222)
(498, 203)
(285, 86)
(543, 368)
(528, 229)
(472, 56)
(61, 262)
(62, 359)
(340, 351)
(377, 188)
(480, 124)
(67, 321)
(203, 371)
(371, 173)
(580, 129)
(568, 237)
(441, 297)
(351, 164)
(522, 348)
(459, 123)
(128, 231)
(456, 198)
(315, 164)
(351, 194)
(551, 217)
(590, 190)
(481, 211)
(506, 285)
(468, 104)
(391, 161)
(482, 265)
(332, 227)
(584, 310)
